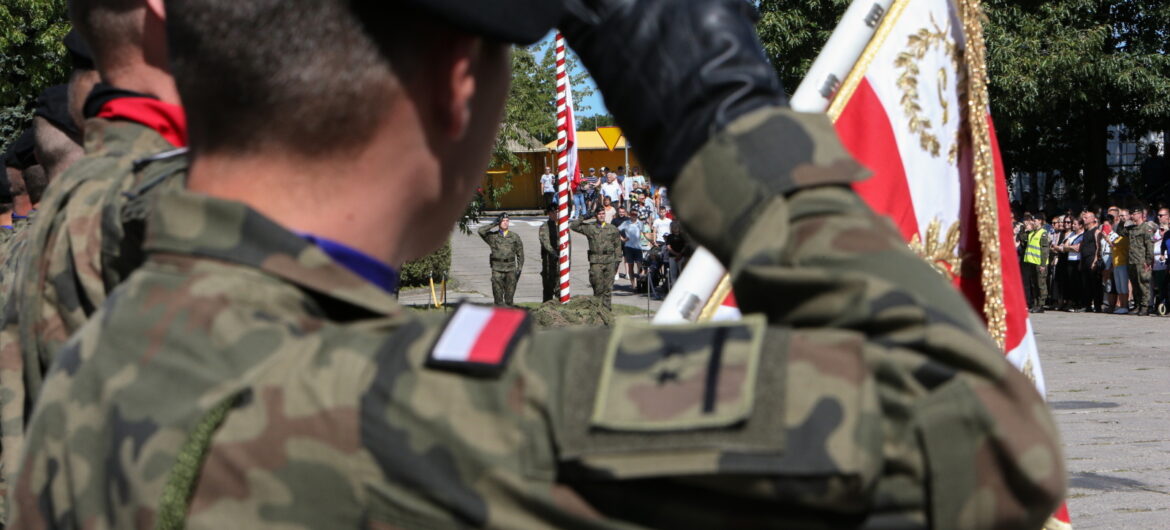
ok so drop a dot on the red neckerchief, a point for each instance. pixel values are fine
(166, 119)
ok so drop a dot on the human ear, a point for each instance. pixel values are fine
(458, 86)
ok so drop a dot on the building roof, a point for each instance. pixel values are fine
(589, 140)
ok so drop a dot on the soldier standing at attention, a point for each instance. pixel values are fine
(506, 259)
(1141, 259)
(550, 255)
(605, 254)
(249, 377)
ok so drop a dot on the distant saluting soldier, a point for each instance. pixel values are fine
(507, 259)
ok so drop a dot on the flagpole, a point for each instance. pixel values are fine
(694, 294)
(563, 243)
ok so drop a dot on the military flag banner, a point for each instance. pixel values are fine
(905, 84)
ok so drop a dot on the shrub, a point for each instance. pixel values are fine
(436, 265)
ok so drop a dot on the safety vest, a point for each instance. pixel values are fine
(1033, 254)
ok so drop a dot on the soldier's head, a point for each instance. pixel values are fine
(127, 39)
(1137, 215)
(551, 212)
(83, 77)
(404, 95)
(600, 215)
(35, 181)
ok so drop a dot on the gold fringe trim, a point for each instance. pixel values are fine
(983, 170)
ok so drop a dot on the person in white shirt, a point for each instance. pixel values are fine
(611, 189)
(661, 227)
(548, 187)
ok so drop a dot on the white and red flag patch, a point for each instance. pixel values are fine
(479, 339)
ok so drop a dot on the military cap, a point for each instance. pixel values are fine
(500, 218)
(515, 21)
(20, 153)
(53, 105)
(79, 54)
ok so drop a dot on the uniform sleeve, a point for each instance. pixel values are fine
(1044, 248)
(485, 233)
(518, 248)
(806, 252)
(577, 226)
(545, 242)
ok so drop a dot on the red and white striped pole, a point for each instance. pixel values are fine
(563, 125)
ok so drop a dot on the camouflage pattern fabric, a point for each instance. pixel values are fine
(1141, 255)
(6, 236)
(601, 280)
(549, 261)
(506, 259)
(866, 394)
(59, 279)
(605, 254)
(504, 287)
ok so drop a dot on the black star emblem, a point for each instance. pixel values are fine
(667, 376)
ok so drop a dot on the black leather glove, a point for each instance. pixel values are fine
(673, 72)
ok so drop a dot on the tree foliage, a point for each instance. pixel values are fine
(32, 58)
(1061, 72)
(530, 113)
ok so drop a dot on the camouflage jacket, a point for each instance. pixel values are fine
(549, 236)
(244, 370)
(67, 262)
(605, 242)
(507, 249)
(1141, 244)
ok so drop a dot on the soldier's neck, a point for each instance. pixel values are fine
(356, 198)
(6, 219)
(21, 205)
(145, 79)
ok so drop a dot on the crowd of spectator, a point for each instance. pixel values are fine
(1110, 260)
(654, 247)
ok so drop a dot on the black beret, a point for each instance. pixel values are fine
(515, 21)
(53, 105)
(79, 54)
(20, 153)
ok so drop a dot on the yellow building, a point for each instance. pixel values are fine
(525, 193)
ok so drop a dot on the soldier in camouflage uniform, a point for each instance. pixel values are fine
(1141, 259)
(507, 259)
(550, 256)
(78, 249)
(246, 377)
(605, 254)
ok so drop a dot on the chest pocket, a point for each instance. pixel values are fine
(768, 414)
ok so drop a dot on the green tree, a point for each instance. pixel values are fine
(32, 58)
(1062, 72)
(793, 34)
(590, 123)
(529, 113)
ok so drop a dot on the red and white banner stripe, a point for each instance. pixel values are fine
(567, 165)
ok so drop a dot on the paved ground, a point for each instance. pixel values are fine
(1108, 381)
(469, 267)
(1109, 387)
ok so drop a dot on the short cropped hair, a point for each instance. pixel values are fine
(107, 24)
(35, 182)
(307, 76)
(55, 149)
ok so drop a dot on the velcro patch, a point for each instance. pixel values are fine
(479, 340)
(696, 376)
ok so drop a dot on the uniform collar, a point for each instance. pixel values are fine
(358, 262)
(190, 223)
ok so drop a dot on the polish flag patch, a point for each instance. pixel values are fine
(479, 339)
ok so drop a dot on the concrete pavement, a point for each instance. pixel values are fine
(1109, 387)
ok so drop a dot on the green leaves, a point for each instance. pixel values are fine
(32, 58)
